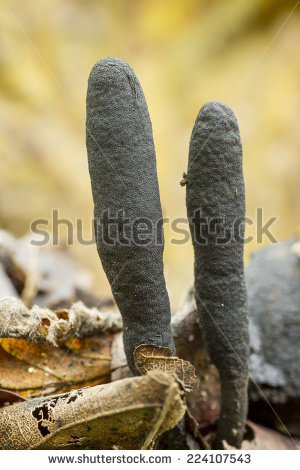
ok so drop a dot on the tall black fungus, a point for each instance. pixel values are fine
(128, 217)
(215, 200)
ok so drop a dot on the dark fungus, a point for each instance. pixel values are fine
(122, 167)
(215, 199)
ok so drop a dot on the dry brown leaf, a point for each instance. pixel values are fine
(126, 414)
(34, 369)
(150, 357)
(16, 376)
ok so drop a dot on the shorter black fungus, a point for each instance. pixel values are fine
(215, 199)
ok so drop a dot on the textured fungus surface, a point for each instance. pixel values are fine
(123, 174)
(215, 187)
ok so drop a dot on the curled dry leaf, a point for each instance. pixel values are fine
(150, 357)
(126, 414)
(42, 324)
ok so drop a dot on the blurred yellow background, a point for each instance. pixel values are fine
(184, 52)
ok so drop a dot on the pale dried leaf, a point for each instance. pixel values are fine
(150, 357)
(127, 414)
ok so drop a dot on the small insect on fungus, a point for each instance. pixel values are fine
(183, 182)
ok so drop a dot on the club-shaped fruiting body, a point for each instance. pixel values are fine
(215, 199)
(123, 173)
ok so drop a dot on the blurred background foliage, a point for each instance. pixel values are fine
(184, 52)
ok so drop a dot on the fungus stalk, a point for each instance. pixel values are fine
(128, 217)
(215, 200)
